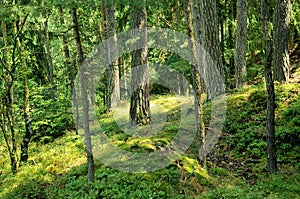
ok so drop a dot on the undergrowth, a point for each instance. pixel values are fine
(237, 166)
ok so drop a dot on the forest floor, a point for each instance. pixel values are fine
(236, 166)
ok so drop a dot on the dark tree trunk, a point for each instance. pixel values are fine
(280, 40)
(84, 90)
(71, 71)
(107, 75)
(49, 57)
(50, 62)
(140, 99)
(241, 43)
(271, 148)
(26, 109)
(231, 42)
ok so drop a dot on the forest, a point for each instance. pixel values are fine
(150, 99)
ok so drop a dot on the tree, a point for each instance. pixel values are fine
(241, 43)
(18, 26)
(140, 99)
(280, 40)
(71, 70)
(7, 102)
(271, 148)
(113, 72)
(26, 109)
(196, 83)
(207, 35)
(84, 87)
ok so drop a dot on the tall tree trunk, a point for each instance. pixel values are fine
(271, 148)
(210, 32)
(123, 68)
(84, 90)
(206, 29)
(222, 17)
(107, 75)
(231, 41)
(241, 43)
(8, 104)
(140, 99)
(49, 57)
(196, 84)
(26, 108)
(114, 80)
(71, 71)
(280, 40)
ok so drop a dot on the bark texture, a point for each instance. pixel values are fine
(140, 99)
(113, 74)
(280, 40)
(84, 91)
(271, 148)
(241, 43)
(196, 84)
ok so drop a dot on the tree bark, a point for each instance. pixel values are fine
(231, 41)
(49, 57)
(280, 40)
(8, 110)
(196, 84)
(140, 99)
(71, 71)
(271, 147)
(84, 90)
(206, 29)
(26, 108)
(114, 80)
(241, 43)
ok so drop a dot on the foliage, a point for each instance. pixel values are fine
(274, 186)
(56, 165)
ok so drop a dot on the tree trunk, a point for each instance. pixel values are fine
(196, 84)
(241, 43)
(206, 29)
(107, 75)
(222, 18)
(84, 90)
(140, 99)
(8, 109)
(231, 42)
(280, 40)
(49, 57)
(114, 80)
(26, 108)
(271, 148)
(71, 72)
(50, 62)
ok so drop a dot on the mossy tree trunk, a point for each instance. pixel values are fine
(26, 108)
(140, 97)
(84, 91)
(7, 112)
(196, 83)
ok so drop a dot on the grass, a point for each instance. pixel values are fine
(236, 166)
